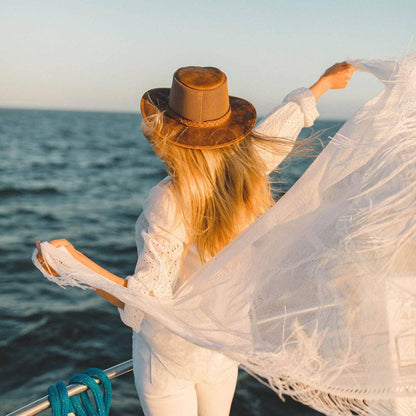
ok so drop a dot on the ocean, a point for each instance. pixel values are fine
(83, 176)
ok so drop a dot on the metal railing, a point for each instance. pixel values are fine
(43, 403)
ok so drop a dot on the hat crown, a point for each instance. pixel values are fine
(199, 94)
(200, 78)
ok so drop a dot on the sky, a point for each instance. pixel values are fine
(102, 55)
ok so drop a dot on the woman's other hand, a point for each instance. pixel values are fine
(56, 243)
(335, 77)
(42, 261)
(338, 76)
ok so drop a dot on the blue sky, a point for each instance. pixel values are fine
(103, 55)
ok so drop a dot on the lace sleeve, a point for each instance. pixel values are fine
(160, 236)
(298, 110)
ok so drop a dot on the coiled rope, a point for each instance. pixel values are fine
(81, 405)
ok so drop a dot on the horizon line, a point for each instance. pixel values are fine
(106, 111)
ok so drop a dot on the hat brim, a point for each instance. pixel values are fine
(237, 126)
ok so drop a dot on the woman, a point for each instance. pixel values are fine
(217, 186)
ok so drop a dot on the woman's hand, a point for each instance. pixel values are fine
(335, 77)
(338, 76)
(55, 243)
(42, 261)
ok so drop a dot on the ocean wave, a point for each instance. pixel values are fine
(13, 191)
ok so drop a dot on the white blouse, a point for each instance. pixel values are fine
(161, 239)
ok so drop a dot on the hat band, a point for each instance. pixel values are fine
(200, 124)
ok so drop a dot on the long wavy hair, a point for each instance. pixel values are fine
(221, 191)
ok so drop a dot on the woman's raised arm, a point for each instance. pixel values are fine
(297, 111)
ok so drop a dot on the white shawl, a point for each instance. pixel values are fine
(317, 298)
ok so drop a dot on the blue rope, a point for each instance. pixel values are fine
(77, 407)
(62, 391)
(96, 392)
(81, 405)
(54, 400)
(105, 383)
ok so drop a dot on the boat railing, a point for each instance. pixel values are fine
(43, 403)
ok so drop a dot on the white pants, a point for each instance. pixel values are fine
(162, 394)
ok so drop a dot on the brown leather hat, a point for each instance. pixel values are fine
(199, 110)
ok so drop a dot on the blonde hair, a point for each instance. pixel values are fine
(221, 191)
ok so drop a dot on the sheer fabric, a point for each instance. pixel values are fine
(317, 298)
